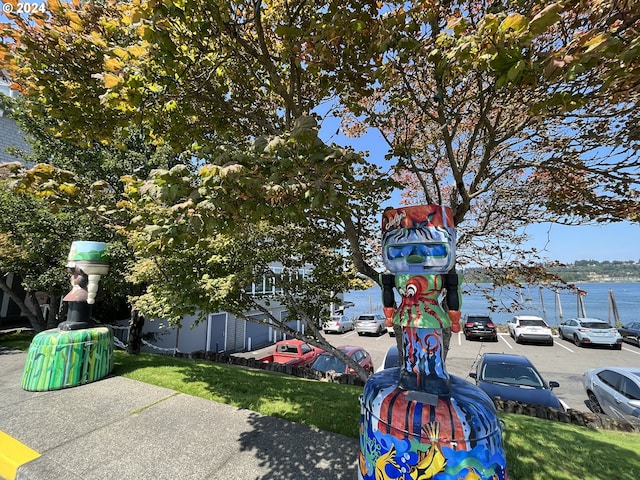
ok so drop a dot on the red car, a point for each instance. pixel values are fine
(327, 362)
(292, 352)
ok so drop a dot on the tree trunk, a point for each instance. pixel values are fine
(36, 319)
(52, 319)
(135, 333)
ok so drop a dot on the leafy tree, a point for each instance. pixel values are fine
(78, 188)
(498, 110)
(508, 114)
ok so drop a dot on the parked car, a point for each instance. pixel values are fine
(370, 323)
(479, 326)
(631, 333)
(614, 391)
(391, 359)
(590, 331)
(291, 352)
(514, 377)
(530, 328)
(338, 324)
(327, 361)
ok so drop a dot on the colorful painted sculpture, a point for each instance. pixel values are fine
(418, 422)
(78, 351)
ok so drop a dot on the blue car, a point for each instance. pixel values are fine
(514, 377)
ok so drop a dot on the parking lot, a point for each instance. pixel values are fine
(563, 362)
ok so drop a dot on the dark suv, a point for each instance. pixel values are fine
(479, 326)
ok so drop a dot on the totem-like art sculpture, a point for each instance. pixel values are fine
(417, 421)
(78, 351)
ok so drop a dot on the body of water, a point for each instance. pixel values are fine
(554, 307)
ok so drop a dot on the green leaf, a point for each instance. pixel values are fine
(515, 22)
(545, 19)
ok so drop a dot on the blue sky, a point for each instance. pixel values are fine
(618, 241)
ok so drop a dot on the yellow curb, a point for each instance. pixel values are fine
(13, 455)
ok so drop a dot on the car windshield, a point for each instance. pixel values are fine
(510, 374)
(478, 320)
(596, 325)
(326, 363)
(532, 323)
(287, 348)
(392, 359)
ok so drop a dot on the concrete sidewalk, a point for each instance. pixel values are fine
(118, 428)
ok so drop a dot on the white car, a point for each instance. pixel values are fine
(370, 323)
(530, 328)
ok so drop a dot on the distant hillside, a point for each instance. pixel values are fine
(581, 271)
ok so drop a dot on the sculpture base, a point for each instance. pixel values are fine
(446, 437)
(60, 359)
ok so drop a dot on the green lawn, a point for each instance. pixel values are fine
(536, 449)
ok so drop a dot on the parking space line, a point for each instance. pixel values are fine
(502, 338)
(629, 350)
(561, 345)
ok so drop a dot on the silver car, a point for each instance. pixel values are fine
(590, 331)
(370, 323)
(337, 324)
(614, 391)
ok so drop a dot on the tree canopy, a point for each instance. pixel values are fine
(509, 112)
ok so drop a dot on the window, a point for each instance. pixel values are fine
(629, 389)
(596, 325)
(612, 379)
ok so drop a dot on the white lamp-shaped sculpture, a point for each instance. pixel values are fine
(91, 259)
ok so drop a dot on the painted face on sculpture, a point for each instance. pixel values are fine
(418, 239)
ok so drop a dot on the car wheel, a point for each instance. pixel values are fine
(593, 402)
(517, 339)
(577, 341)
(550, 343)
(560, 334)
(617, 346)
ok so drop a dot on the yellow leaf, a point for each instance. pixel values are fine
(73, 18)
(69, 189)
(137, 50)
(54, 6)
(121, 53)
(111, 81)
(113, 65)
(76, 26)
